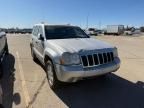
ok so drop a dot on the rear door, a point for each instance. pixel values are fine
(35, 39)
(40, 42)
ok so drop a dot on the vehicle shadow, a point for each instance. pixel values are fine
(109, 92)
(7, 82)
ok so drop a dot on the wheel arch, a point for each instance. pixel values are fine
(49, 54)
(46, 58)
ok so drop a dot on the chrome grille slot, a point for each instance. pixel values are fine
(112, 56)
(90, 60)
(105, 57)
(97, 59)
(109, 57)
(100, 58)
(84, 60)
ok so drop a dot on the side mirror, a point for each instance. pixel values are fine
(40, 37)
(2, 34)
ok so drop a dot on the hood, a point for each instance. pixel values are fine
(75, 45)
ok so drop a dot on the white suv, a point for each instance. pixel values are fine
(69, 54)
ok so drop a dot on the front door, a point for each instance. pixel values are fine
(41, 42)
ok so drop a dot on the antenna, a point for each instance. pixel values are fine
(100, 25)
(87, 21)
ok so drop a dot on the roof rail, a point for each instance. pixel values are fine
(43, 22)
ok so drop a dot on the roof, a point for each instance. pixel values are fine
(46, 24)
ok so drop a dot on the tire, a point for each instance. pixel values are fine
(54, 83)
(33, 55)
(1, 71)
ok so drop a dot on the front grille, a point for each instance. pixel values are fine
(97, 59)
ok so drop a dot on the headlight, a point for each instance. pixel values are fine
(70, 59)
(115, 52)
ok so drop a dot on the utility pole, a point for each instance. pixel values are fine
(87, 21)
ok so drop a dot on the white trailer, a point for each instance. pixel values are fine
(114, 30)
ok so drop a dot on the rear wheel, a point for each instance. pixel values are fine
(51, 75)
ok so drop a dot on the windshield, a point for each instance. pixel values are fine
(64, 32)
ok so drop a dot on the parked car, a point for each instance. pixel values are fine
(128, 33)
(92, 31)
(99, 31)
(69, 54)
(3, 49)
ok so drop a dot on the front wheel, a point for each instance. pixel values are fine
(51, 75)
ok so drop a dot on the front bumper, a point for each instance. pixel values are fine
(76, 72)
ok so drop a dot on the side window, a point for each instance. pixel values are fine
(40, 30)
(33, 32)
(36, 31)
